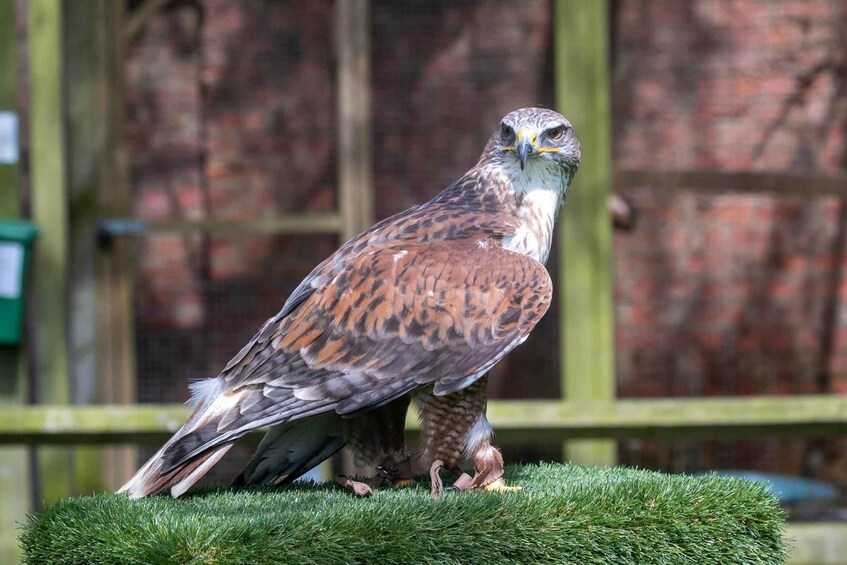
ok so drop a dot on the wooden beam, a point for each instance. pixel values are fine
(14, 460)
(284, 224)
(12, 383)
(524, 421)
(10, 197)
(355, 152)
(585, 239)
(87, 103)
(816, 543)
(48, 149)
(796, 185)
(85, 152)
(114, 423)
(668, 418)
(115, 265)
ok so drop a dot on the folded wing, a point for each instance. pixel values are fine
(390, 319)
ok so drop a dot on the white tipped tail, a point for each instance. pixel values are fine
(151, 480)
(186, 447)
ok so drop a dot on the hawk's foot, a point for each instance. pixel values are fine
(500, 486)
(356, 487)
(488, 464)
(437, 490)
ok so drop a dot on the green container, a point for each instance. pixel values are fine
(16, 237)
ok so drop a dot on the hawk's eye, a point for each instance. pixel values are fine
(506, 132)
(556, 132)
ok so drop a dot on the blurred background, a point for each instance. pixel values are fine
(187, 162)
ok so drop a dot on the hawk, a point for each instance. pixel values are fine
(418, 307)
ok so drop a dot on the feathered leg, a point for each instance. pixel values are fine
(454, 428)
(488, 464)
(389, 426)
(377, 437)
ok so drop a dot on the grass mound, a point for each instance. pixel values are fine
(565, 513)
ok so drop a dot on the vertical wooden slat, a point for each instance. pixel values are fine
(11, 381)
(582, 84)
(355, 152)
(48, 151)
(14, 461)
(87, 118)
(10, 199)
(115, 268)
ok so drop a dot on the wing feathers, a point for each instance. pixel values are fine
(384, 321)
(444, 311)
(394, 318)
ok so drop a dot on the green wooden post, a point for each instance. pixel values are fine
(115, 267)
(87, 109)
(11, 374)
(50, 213)
(10, 199)
(14, 461)
(582, 91)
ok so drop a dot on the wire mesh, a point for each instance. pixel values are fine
(231, 116)
(738, 293)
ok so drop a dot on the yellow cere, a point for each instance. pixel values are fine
(528, 134)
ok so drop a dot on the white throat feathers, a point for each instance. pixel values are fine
(540, 192)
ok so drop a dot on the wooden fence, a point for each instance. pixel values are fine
(513, 421)
(820, 543)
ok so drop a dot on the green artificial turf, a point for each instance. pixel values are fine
(565, 514)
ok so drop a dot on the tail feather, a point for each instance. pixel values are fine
(287, 451)
(150, 479)
(161, 472)
(193, 449)
(197, 469)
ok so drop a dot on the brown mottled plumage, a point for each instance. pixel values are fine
(421, 305)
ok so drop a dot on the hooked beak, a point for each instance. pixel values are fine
(524, 147)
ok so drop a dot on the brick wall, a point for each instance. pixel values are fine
(731, 294)
(230, 117)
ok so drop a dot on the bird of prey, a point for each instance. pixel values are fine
(418, 307)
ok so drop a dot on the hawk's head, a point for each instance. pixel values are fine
(529, 135)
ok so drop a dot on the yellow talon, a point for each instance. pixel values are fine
(500, 486)
(403, 483)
